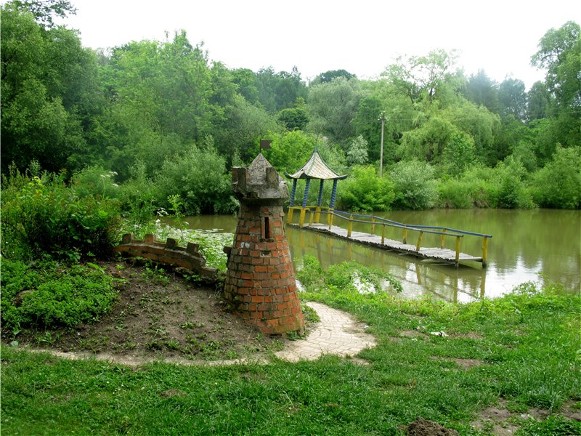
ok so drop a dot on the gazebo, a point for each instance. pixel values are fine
(317, 169)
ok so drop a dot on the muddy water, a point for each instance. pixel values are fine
(526, 246)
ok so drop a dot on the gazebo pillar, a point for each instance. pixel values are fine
(293, 192)
(319, 202)
(305, 198)
(332, 203)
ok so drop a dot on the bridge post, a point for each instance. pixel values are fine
(419, 243)
(442, 236)
(405, 235)
(302, 216)
(289, 216)
(458, 249)
(484, 251)
(382, 233)
(350, 226)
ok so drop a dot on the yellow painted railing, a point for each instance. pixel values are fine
(312, 215)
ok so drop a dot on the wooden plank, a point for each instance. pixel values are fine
(444, 254)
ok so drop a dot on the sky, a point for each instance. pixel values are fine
(360, 36)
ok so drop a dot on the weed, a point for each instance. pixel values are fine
(52, 294)
(156, 274)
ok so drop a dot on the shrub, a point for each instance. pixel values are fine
(415, 186)
(199, 178)
(558, 184)
(508, 189)
(365, 191)
(53, 295)
(455, 193)
(40, 215)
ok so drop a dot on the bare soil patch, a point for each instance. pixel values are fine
(159, 315)
(423, 427)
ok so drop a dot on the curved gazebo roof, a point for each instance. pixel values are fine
(315, 168)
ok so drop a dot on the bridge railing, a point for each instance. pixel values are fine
(385, 228)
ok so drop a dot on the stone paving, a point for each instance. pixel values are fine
(337, 333)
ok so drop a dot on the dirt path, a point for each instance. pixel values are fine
(337, 333)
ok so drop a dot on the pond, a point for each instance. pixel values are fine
(527, 245)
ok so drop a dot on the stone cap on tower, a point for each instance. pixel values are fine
(259, 182)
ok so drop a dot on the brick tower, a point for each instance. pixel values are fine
(260, 282)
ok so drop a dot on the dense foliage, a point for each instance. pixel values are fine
(165, 121)
(50, 295)
(41, 216)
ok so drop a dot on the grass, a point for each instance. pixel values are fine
(524, 346)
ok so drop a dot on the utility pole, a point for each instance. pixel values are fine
(382, 119)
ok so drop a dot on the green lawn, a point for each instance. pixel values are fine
(521, 351)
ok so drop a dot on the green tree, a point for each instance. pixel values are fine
(277, 91)
(357, 151)
(512, 99)
(198, 177)
(162, 96)
(482, 90)
(482, 125)
(538, 101)
(332, 108)
(560, 54)
(423, 78)
(47, 89)
(295, 118)
(329, 76)
(43, 10)
(246, 82)
(290, 150)
(428, 142)
(244, 125)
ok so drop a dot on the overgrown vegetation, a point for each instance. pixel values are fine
(42, 216)
(158, 124)
(49, 295)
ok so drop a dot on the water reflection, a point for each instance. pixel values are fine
(525, 244)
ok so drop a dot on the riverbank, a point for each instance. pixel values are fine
(491, 367)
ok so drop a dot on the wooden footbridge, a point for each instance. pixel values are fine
(373, 230)
(382, 233)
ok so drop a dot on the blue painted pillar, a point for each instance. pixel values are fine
(293, 192)
(320, 199)
(333, 194)
(306, 195)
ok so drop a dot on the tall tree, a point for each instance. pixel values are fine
(277, 91)
(482, 90)
(538, 101)
(331, 75)
(44, 10)
(512, 98)
(560, 54)
(332, 109)
(422, 78)
(48, 92)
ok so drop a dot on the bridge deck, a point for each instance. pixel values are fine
(442, 254)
